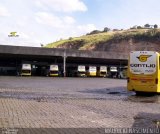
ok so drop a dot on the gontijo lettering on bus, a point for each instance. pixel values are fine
(143, 65)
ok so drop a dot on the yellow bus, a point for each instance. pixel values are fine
(81, 71)
(113, 71)
(143, 71)
(102, 71)
(53, 71)
(92, 71)
(26, 70)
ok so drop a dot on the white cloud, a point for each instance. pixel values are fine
(62, 5)
(40, 5)
(22, 40)
(4, 11)
(69, 20)
(23, 35)
(48, 19)
(54, 21)
(86, 28)
(74, 30)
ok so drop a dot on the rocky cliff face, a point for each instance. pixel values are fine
(125, 46)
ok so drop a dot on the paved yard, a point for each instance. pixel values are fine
(40, 102)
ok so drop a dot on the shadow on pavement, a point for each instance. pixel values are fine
(146, 120)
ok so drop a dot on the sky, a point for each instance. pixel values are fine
(44, 21)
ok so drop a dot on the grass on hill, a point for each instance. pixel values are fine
(89, 41)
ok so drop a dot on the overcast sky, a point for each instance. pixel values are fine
(44, 21)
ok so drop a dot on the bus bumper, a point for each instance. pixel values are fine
(25, 74)
(92, 74)
(81, 75)
(139, 88)
(54, 75)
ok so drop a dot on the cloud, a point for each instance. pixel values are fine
(3, 11)
(52, 20)
(62, 5)
(69, 20)
(48, 19)
(22, 40)
(86, 28)
(74, 30)
(23, 35)
(35, 25)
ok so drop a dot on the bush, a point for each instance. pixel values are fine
(106, 29)
(70, 38)
(94, 32)
(139, 27)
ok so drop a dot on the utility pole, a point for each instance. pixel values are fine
(64, 64)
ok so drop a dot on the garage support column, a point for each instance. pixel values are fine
(64, 64)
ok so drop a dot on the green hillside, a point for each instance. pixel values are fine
(90, 41)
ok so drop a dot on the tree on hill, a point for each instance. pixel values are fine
(147, 26)
(115, 29)
(139, 27)
(94, 32)
(155, 26)
(70, 38)
(106, 29)
(134, 27)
